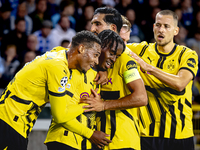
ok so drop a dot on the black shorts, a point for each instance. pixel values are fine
(58, 146)
(155, 143)
(11, 139)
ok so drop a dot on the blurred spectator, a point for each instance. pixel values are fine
(147, 26)
(17, 37)
(194, 43)
(31, 45)
(79, 4)
(39, 14)
(86, 17)
(10, 63)
(136, 32)
(195, 24)
(22, 13)
(30, 5)
(97, 3)
(88, 26)
(1, 67)
(52, 7)
(109, 3)
(181, 37)
(28, 56)
(66, 9)
(5, 26)
(65, 43)
(175, 4)
(187, 13)
(62, 31)
(123, 5)
(178, 11)
(196, 6)
(43, 37)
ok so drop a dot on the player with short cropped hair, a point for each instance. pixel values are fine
(168, 71)
(43, 80)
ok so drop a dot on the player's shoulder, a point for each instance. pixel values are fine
(58, 48)
(186, 50)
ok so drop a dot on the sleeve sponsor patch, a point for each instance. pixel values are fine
(131, 64)
(191, 62)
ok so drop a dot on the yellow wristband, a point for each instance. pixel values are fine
(131, 75)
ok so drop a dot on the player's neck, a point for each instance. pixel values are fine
(72, 59)
(166, 49)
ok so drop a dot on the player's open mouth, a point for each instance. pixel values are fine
(160, 37)
(108, 64)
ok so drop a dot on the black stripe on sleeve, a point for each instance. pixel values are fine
(189, 70)
(143, 50)
(181, 54)
(61, 94)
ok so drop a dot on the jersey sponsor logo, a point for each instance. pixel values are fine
(63, 81)
(171, 65)
(84, 94)
(191, 62)
(131, 64)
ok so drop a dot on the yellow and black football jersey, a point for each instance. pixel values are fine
(43, 79)
(121, 125)
(82, 89)
(169, 112)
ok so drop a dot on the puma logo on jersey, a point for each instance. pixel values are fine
(150, 59)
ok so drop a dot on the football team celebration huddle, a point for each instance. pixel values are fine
(106, 93)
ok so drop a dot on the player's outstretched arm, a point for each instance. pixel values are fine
(177, 82)
(137, 98)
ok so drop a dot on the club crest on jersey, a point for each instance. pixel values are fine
(131, 64)
(171, 65)
(63, 81)
(84, 94)
(191, 62)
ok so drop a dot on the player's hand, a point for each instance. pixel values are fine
(95, 102)
(143, 65)
(99, 139)
(101, 77)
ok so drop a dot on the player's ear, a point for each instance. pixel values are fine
(176, 31)
(114, 27)
(81, 48)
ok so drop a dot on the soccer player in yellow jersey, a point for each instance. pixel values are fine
(167, 70)
(45, 80)
(75, 137)
(124, 90)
